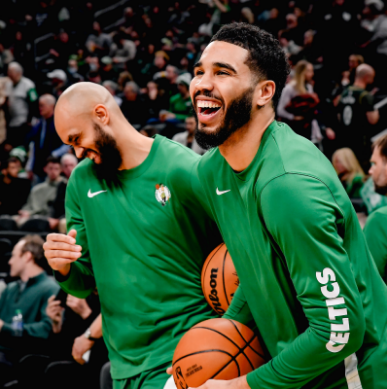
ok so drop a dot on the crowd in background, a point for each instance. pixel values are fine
(143, 53)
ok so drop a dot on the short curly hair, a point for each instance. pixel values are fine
(266, 58)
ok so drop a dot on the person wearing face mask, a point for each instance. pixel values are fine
(72, 72)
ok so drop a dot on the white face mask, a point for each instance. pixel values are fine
(72, 70)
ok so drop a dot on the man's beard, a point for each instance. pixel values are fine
(110, 156)
(237, 115)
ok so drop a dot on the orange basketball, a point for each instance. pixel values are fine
(219, 279)
(215, 349)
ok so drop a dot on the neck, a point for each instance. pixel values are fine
(360, 84)
(240, 149)
(31, 272)
(135, 147)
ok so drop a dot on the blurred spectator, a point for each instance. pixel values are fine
(41, 198)
(160, 62)
(98, 42)
(3, 100)
(156, 100)
(123, 79)
(14, 191)
(131, 106)
(354, 61)
(73, 75)
(122, 51)
(294, 31)
(45, 140)
(112, 87)
(349, 171)
(187, 138)
(357, 115)
(29, 295)
(62, 49)
(107, 71)
(58, 80)
(180, 105)
(298, 103)
(311, 51)
(22, 95)
(375, 229)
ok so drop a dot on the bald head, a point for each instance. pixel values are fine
(46, 105)
(365, 72)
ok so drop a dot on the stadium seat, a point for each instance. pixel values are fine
(7, 223)
(35, 224)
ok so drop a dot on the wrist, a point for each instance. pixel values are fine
(89, 336)
(86, 313)
(65, 270)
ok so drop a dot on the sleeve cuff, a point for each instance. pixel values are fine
(60, 277)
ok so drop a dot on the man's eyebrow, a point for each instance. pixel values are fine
(224, 65)
(197, 65)
(72, 137)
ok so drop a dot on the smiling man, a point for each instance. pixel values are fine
(138, 232)
(307, 277)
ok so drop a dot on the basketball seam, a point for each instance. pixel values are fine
(224, 284)
(203, 272)
(233, 359)
(248, 341)
(202, 352)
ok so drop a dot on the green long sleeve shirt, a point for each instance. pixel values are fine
(307, 277)
(180, 107)
(31, 298)
(375, 232)
(144, 243)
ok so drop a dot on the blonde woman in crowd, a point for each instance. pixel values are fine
(349, 171)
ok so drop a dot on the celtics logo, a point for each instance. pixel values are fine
(162, 194)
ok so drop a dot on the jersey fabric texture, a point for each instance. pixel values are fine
(307, 277)
(144, 242)
(150, 379)
(375, 232)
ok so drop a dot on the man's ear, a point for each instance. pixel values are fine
(102, 114)
(28, 256)
(265, 91)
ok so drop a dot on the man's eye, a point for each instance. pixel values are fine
(223, 73)
(198, 73)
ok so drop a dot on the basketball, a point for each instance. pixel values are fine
(219, 279)
(215, 349)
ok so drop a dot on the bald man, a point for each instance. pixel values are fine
(45, 140)
(138, 232)
(357, 115)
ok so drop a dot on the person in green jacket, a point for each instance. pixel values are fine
(307, 279)
(138, 231)
(375, 229)
(28, 297)
(180, 104)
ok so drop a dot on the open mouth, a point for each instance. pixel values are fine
(208, 108)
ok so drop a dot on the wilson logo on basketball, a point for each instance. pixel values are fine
(180, 378)
(213, 296)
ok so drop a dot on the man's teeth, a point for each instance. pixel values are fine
(208, 104)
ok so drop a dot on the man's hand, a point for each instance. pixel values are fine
(79, 306)
(61, 251)
(330, 133)
(24, 213)
(1, 324)
(54, 311)
(80, 346)
(237, 383)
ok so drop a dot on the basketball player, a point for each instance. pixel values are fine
(138, 232)
(308, 279)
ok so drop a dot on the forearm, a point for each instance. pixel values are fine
(96, 327)
(239, 309)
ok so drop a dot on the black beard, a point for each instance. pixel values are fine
(110, 156)
(237, 115)
(382, 190)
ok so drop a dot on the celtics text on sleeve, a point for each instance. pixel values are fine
(302, 225)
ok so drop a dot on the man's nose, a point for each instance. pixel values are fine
(79, 151)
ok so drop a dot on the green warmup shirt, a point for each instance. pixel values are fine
(375, 232)
(307, 277)
(144, 242)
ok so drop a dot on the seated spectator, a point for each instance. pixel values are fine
(45, 140)
(122, 51)
(72, 319)
(298, 103)
(22, 96)
(73, 75)
(58, 219)
(180, 105)
(375, 229)
(156, 99)
(98, 42)
(131, 106)
(187, 138)
(28, 296)
(107, 71)
(357, 115)
(349, 171)
(58, 79)
(41, 198)
(112, 87)
(14, 191)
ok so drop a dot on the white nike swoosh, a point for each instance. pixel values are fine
(91, 195)
(219, 193)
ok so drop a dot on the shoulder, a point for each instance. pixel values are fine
(377, 219)
(174, 98)
(180, 137)
(173, 150)
(84, 168)
(49, 286)
(28, 83)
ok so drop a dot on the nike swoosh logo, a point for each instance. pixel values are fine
(219, 193)
(91, 195)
